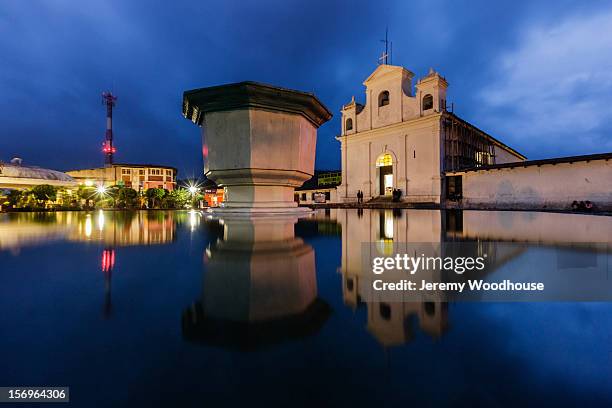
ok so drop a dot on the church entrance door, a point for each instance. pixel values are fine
(386, 180)
(384, 166)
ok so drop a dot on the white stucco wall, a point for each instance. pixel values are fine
(539, 187)
(504, 156)
(415, 148)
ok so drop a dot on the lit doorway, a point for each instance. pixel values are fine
(384, 166)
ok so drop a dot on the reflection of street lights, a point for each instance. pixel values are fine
(193, 219)
(100, 220)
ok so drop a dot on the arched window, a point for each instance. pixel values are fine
(349, 124)
(384, 160)
(427, 102)
(383, 98)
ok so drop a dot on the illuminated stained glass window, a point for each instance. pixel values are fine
(384, 160)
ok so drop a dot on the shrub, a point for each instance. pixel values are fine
(45, 192)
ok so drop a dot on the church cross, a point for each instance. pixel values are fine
(384, 58)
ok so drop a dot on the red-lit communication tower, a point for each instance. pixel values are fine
(107, 147)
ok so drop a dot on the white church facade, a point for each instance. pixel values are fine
(406, 139)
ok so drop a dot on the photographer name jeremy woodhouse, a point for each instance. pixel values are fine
(471, 284)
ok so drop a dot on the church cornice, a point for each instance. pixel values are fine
(365, 134)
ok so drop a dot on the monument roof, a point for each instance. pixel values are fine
(250, 94)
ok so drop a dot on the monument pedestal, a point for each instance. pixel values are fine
(259, 143)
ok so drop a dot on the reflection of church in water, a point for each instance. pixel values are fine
(396, 322)
(391, 323)
(495, 233)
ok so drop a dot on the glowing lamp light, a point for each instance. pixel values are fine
(101, 190)
(88, 183)
(193, 189)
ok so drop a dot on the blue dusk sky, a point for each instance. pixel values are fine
(536, 75)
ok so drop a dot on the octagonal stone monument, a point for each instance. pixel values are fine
(258, 142)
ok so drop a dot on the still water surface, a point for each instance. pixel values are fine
(175, 309)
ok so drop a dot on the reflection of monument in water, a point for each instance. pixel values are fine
(259, 287)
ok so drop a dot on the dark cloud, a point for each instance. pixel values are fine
(59, 55)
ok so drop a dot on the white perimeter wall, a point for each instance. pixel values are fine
(540, 187)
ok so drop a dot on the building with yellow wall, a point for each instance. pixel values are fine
(136, 176)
